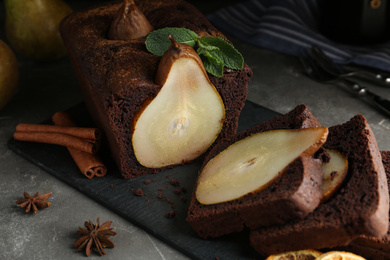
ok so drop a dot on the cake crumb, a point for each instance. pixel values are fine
(175, 182)
(177, 191)
(147, 181)
(139, 192)
(171, 214)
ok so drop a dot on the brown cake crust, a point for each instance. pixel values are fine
(359, 207)
(373, 248)
(117, 77)
(280, 201)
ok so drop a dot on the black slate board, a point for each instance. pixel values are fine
(147, 211)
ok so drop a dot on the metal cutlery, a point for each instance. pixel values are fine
(314, 70)
(341, 71)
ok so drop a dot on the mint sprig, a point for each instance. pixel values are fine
(214, 52)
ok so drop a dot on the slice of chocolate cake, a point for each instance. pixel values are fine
(373, 248)
(116, 77)
(282, 200)
(361, 205)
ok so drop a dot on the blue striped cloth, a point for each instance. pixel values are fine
(288, 26)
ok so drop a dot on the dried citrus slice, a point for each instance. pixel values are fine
(339, 255)
(307, 254)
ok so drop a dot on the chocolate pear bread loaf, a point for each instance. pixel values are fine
(373, 248)
(116, 77)
(359, 207)
(282, 200)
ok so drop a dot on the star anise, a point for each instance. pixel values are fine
(95, 235)
(35, 202)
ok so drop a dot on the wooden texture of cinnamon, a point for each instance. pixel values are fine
(58, 139)
(89, 164)
(91, 134)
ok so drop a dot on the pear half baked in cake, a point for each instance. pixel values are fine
(250, 165)
(261, 177)
(185, 117)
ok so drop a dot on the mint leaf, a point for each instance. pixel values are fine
(224, 51)
(212, 65)
(203, 48)
(158, 43)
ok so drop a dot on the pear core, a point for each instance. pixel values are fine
(251, 164)
(182, 121)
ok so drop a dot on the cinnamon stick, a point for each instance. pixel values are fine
(59, 139)
(89, 164)
(92, 134)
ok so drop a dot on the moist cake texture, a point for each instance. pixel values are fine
(373, 248)
(117, 77)
(282, 200)
(360, 206)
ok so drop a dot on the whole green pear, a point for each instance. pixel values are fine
(9, 74)
(32, 27)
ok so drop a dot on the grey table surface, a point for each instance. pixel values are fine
(278, 83)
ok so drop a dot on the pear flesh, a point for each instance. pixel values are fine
(251, 164)
(334, 173)
(182, 121)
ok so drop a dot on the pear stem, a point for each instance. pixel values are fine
(129, 2)
(174, 43)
